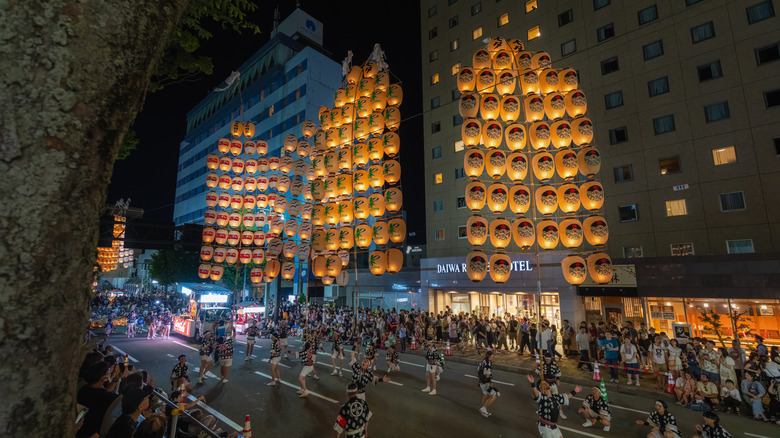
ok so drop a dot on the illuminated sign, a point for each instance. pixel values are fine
(182, 326)
(450, 268)
(186, 290)
(213, 298)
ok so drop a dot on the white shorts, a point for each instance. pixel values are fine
(250, 342)
(206, 358)
(275, 360)
(431, 368)
(337, 355)
(591, 414)
(547, 432)
(226, 362)
(283, 341)
(485, 387)
(307, 370)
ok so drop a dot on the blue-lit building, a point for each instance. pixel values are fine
(281, 85)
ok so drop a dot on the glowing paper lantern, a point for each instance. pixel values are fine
(515, 45)
(395, 260)
(543, 165)
(554, 106)
(331, 214)
(576, 103)
(589, 161)
(262, 165)
(378, 100)
(345, 211)
(466, 79)
(600, 267)
(360, 154)
(468, 106)
(210, 217)
(291, 228)
(492, 132)
(370, 69)
(346, 238)
(306, 212)
(592, 195)
(250, 147)
(489, 106)
(363, 236)
(379, 233)
(570, 231)
(305, 230)
(560, 133)
(396, 229)
(283, 184)
(363, 106)
(262, 147)
(272, 268)
(303, 149)
(574, 269)
(260, 219)
(533, 106)
(515, 136)
(225, 163)
(569, 198)
(237, 166)
(476, 266)
(237, 183)
(332, 266)
(471, 132)
(376, 177)
(223, 145)
(219, 254)
(476, 196)
(234, 219)
(212, 180)
(258, 256)
(256, 275)
(486, 80)
(262, 200)
(496, 163)
(361, 209)
(236, 129)
(342, 279)
(566, 164)
(539, 135)
(231, 256)
(500, 268)
(392, 117)
(473, 163)
(224, 182)
(289, 249)
(204, 270)
(250, 166)
(208, 234)
(516, 166)
(391, 171)
(245, 256)
(275, 225)
(223, 200)
(391, 143)
(273, 163)
(249, 129)
(308, 128)
(303, 251)
(377, 262)
(215, 273)
(519, 199)
(220, 236)
(548, 81)
(223, 218)
(547, 234)
(500, 233)
(236, 202)
(546, 200)
(507, 82)
(529, 83)
(212, 161)
(477, 230)
(497, 198)
(481, 59)
(374, 148)
(596, 230)
(365, 87)
(393, 199)
(234, 236)
(568, 80)
(376, 204)
(236, 147)
(582, 131)
(510, 108)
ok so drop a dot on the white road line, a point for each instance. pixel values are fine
(395, 383)
(569, 429)
(215, 413)
(280, 364)
(187, 346)
(413, 364)
(208, 373)
(619, 407)
(495, 381)
(128, 356)
(752, 434)
(298, 387)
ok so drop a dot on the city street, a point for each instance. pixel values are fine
(399, 408)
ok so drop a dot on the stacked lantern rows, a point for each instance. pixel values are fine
(357, 200)
(110, 258)
(527, 114)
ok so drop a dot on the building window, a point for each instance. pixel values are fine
(744, 246)
(623, 173)
(772, 98)
(476, 33)
(568, 47)
(676, 207)
(724, 155)
(438, 235)
(632, 252)
(460, 173)
(433, 56)
(669, 165)
(709, 71)
(618, 135)
(503, 19)
(768, 53)
(682, 249)
(457, 120)
(628, 213)
(460, 202)
(653, 50)
(435, 127)
(716, 111)
(437, 178)
(453, 22)
(530, 5)
(663, 124)
(598, 4)
(459, 146)
(431, 11)
(533, 33)
(454, 45)
(760, 12)
(613, 100)
(565, 18)
(476, 8)
(647, 15)
(455, 94)
(435, 102)
(733, 201)
(605, 32)
(434, 78)
(432, 33)
(610, 65)
(462, 232)
(658, 86)
(702, 32)
(438, 205)
(436, 152)
(455, 69)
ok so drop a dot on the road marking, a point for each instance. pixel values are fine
(208, 373)
(187, 346)
(569, 429)
(122, 352)
(752, 434)
(410, 363)
(395, 383)
(214, 412)
(495, 381)
(619, 407)
(280, 364)
(298, 387)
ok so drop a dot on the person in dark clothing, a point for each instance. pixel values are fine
(134, 402)
(95, 398)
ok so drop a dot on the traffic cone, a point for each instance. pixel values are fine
(604, 391)
(247, 433)
(538, 363)
(414, 343)
(670, 384)
(596, 373)
(448, 351)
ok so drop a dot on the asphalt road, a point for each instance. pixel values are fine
(399, 407)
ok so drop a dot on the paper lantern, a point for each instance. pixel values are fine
(492, 133)
(582, 131)
(374, 148)
(476, 230)
(236, 147)
(237, 183)
(540, 61)
(262, 165)
(250, 184)
(212, 180)
(303, 149)
(343, 185)
(303, 251)
(570, 233)
(486, 80)
(225, 163)
(363, 106)
(208, 234)
(569, 198)
(395, 260)
(548, 81)
(236, 129)
(539, 135)
(274, 248)
(370, 69)
(354, 74)
(592, 195)
(346, 238)
(275, 225)
(361, 208)
(209, 217)
(250, 167)
(215, 273)
(378, 100)
(489, 106)
(498, 44)
(471, 132)
(476, 266)
(220, 236)
(318, 266)
(321, 139)
(375, 176)
(379, 233)
(365, 87)
(474, 163)
(204, 270)
(574, 269)
(515, 45)
(596, 230)
(231, 256)
(262, 199)
(339, 97)
(519, 199)
(360, 129)
(212, 162)
(495, 165)
(234, 237)
(256, 275)
(376, 204)
(272, 268)
(533, 106)
(568, 80)
(258, 256)
(396, 229)
(506, 82)
(515, 136)
(509, 108)
(391, 143)
(250, 147)
(245, 256)
(286, 164)
(223, 200)
(481, 59)
(331, 213)
(391, 170)
(283, 184)
(543, 165)
(360, 154)
(223, 145)
(393, 199)
(345, 212)
(589, 161)
(332, 266)
(306, 212)
(324, 116)
(466, 79)
(500, 268)
(237, 166)
(344, 159)
(529, 82)
(271, 197)
(234, 219)
(222, 218)
(289, 249)
(566, 164)
(497, 197)
(326, 281)
(318, 164)
(219, 255)
(392, 117)
(476, 195)
(345, 136)
(260, 219)
(500, 233)
(305, 230)
(516, 166)
(350, 93)
(554, 106)
(297, 188)
(262, 147)
(547, 234)
(247, 202)
(224, 182)
(342, 279)
(377, 262)
(546, 200)
(249, 129)
(576, 103)
(332, 137)
(308, 128)
(294, 208)
(363, 236)
(468, 105)
(600, 267)
(291, 228)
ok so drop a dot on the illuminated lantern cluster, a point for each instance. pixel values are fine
(115, 256)
(529, 149)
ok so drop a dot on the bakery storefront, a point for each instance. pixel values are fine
(447, 285)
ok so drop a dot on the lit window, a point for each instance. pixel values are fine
(669, 165)
(476, 33)
(724, 155)
(530, 5)
(437, 178)
(434, 78)
(454, 45)
(534, 33)
(744, 246)
(632, 252)
(459, 145)
(503, 19)
(733, 201)
(676, 207)
(682, 249)
(455, 68)
(462, 231)
(439, 234)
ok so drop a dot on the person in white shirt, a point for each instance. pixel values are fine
(630, 356)
(659, 356)
(730, 397)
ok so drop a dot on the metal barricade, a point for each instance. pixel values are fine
(175, 418)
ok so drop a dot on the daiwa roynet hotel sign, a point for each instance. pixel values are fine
(458, 268)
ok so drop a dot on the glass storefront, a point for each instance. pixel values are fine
(614, 310)
(498, 303)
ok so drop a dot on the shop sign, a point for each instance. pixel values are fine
(213, 298)
(662, 312)
(450, 268)
(182, 326)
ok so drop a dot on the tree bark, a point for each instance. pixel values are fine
(73, 76)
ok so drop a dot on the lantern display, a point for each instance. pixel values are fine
(234, 236)
(223, 200)
(297, 188)
(570, 233)
(582, 131)
(245, 256)
(209, 234)
(476, 195)
(220, 236)
(476, 266)
(481, 59)
(546, 200)
(391, 143)
(548, 81)
(377, 262)
(347, 113)
(250, 147)
(308, 128)
(224, 182)
(249, 129)
(360, 154)
(212, 180)
(256, 275)
(500, 233)
(519, 199)
(510, 108)
(283, 184)
(237, 183)
(539, 135)
(471, 132)
(223, 145)
(203, 270)
(554, 106)
(206, 252)
(361, 208)
(333, 265)
(236, 129)
(516, 166)
(259, 238)
(331, 213)
(468, 106)
(396, 229)
(379, 233)
(289, 249)
(568, 80)
(344, 159)
(569, 198)
(219, 255)
(592, 195)
(500, 268)
(272, 268)
(291, 228)
(574, 269)
(589, 161)
(360, 129)
(596, 230)
(225, 163)
(495, 165)
(262, 165)
(212, 162)
(600, 267)
(303, 251)
(215, 273)
(515, 136)
(529, 83)
(466, 79)
(492, 133)
(294, 208)
(275, 225)
(332, 239)
(376, 177)
(392, 117)
(258, 256)
(543, 165)
(223, 218)
(231, 256)
(305, 230)
(234, 219)
(318, 266)
(477, 230)
(365, 87)
(363, 236)
(391, 170)
(363, 106)
(345, 211)
(560, 134)
(209, 217)
(473, 163)
(260, 219)
(262, 147)
(273, 163)
(395, 260)
(566, 164)
(274, 248)
(486, 80)
(489, 108)
(346, 238)
(378, 100)
(533, 107)
(375, 149)
(251, 167)
(506, 82)
(236, 147)
(342, 279)
(497, 198)
(237, 166)
(393, 199)
(547, 234)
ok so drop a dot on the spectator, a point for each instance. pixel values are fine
(630, 359)
(658, 358)
(611, 349)
(95, 398)
(737, 353)
(709, 359)
(753, 393)
(706, 394)
(153, 427)
(730, 396)
(685, 389)
(134, 402)
(674, 360)
(583, 345)
(691, 362)
(726, 367)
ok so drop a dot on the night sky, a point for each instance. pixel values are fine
(148, 176)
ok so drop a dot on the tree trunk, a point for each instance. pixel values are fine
(73, 76)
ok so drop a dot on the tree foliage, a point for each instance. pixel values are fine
(711, 321)
(129, 144)
(173, 266)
